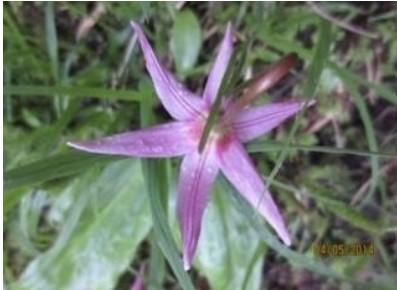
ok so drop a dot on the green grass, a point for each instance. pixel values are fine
(64, 209)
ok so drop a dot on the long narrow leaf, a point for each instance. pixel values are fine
(286, 46)
(75, 91)
(349, 214)
(52, 39)
(156, 180)
(264, 146)
(162, 231)
(232, 74)
(316, 67)
(229, 252)
(369, 130)
(297, 259)
(61, 165)
(338, 208)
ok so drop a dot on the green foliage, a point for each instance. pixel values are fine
(229, 251)
(316, 67)
(102, 218)
(79, 221)
(186, 40)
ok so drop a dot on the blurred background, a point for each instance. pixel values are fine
(73, 71)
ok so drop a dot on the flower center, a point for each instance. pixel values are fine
(220, 130)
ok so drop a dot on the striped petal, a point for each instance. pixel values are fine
(254, 122)
(219, 68)
(178, 101)
(198, 173)
(236, 165)
(167, 140)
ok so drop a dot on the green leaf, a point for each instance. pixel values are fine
(229, 252)
(21, 39)
(108, 219)
(75, 91)
(347, 213)
(157, 266)
(369, 130)
(52, 39)
(316, 67)
(280, 43)
(156, 180)
(211, 120)
(155, 186)
(329, 196)
(186, 40)
(266, 146)
(319, 60)
(295, 258)
(57, 166)
(229, 81)
(380, 89)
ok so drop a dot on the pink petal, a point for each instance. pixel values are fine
(219, 68)
(167, 140)
(250, 123)
(138, 283)
(198, 173)
(239, 170)
(179, 102)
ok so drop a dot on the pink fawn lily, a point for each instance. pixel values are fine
(223, 151)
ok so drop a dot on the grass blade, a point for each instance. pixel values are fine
(57, 166)
(319, 60)
(295, 258)
(285, 46)
(157, 266)
(272, 241)
(347, 213)
(156, 180)
(226, 237)
(229, 80)
(339, 208)
(317, 65)
(265, 146)
(212, 118)
(354, 78)
(369, 130)
(52, 39)
(76, 91)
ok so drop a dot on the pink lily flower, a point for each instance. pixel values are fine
(224, 151)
